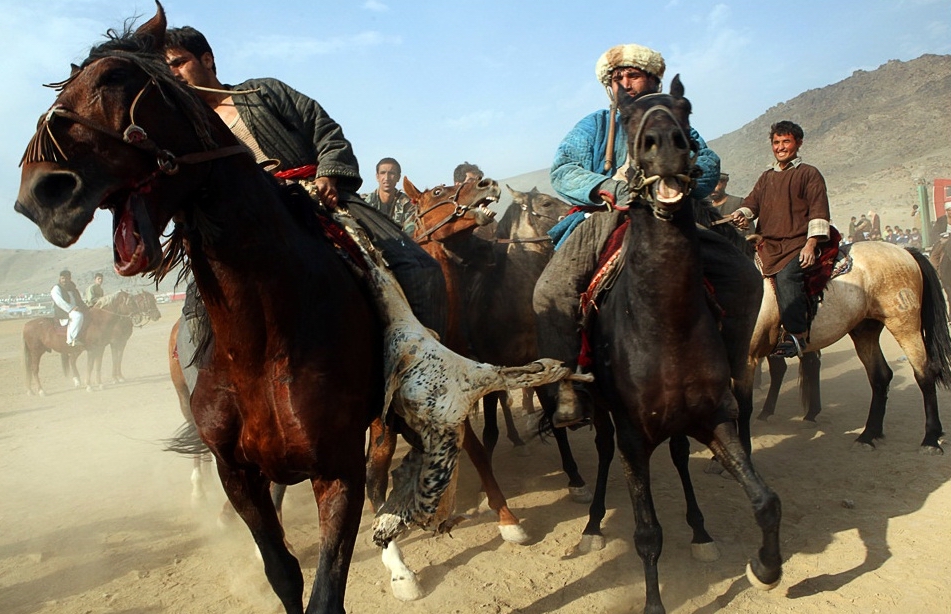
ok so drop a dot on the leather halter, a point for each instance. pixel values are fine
(134, 136)
(639, 183)
(458, 211)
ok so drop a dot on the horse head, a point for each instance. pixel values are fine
(107, 143)
(146, 305)
(660, 151)
(533, 214)
(446, 211)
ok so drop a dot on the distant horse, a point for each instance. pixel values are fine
(500, 317)
(296, 372)
(109, 323)
(663, 369)
(887, 287)
(145, 310)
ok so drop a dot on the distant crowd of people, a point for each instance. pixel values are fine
(868, 228)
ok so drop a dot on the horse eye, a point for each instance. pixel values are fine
(437, 192)
(116, 76)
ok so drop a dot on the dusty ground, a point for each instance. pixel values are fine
(97, 518)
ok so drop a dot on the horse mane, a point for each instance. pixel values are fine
(111, 300)
(508, 221)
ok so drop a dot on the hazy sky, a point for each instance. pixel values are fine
(494, 82)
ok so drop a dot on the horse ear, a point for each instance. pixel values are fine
(153, 30)
(410, 190)
(73, 69)
(511, 191)
(676, 87)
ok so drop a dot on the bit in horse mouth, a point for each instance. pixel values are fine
(668, 190)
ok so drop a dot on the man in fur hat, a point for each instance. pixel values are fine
(589, 166)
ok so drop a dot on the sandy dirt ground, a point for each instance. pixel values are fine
(97, 518)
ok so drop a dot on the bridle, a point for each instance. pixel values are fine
(457, 211)
(638, 182)
(135, 136)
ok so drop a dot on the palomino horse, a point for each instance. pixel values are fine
(500, 316)
(662, 369)
(110, 323)
(886, 287)
(445, 218)
(296, 372)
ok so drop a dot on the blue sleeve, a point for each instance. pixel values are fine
(708, 162)
(576, 170)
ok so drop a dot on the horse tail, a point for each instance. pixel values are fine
(934, 321)
(186, 441)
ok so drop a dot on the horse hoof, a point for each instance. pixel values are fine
(513, 533)
(863, 446)
(406, 587)
(523, 451)
(707, 552)
(580, 494)
(756, 582)
(590, 543)
(41, 393)
(809, 424)
(930, 450)
(88, 388)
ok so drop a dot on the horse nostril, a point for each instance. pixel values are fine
(56, 187)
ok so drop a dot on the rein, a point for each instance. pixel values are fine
(134, 136)
(458, 211)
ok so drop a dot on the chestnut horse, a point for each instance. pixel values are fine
(295, 374)
(110, 323)
(664, 363)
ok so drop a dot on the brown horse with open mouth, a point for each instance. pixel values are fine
(295, 375)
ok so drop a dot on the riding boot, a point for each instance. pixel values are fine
(571, 410)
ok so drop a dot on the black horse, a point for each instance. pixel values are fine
(666, 354)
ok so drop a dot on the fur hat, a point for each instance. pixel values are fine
(633, 55)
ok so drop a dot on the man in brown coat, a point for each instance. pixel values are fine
(792, 206)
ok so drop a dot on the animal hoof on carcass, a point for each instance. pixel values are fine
(580, 494)
(590, 543)
(513, 533)
(707, 552)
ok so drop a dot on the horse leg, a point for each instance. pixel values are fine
(809, 390)
(403, 581)
(577, 489)
(490, 416)
(74, 370)
(777, 371)
(765, 571)
(380, 450)
(117, 352)
(865, 337)
(510, 429)
(912, 344)
(648, 535)
(702, 545)
(247, 491)
(591, 537)
(339, 506)
(509, 526)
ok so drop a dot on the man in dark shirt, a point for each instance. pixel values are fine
(792, 206)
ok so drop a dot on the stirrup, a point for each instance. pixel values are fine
(790, 347)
